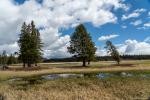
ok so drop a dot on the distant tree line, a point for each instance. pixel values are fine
(100, 58)
(69, 59)
(124, 57)
(6, 60)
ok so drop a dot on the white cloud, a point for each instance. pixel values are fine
(146, 25)
(124, 26)
(9, 21)
(9, 48)
(53, 15)
(135, 47)
(140, 10)
(101, 52)
(149, 14)
(147, 39)
(130, 47)
(136, 23)
(107, 37)
(136, 13)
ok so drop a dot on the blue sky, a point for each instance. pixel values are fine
(125, 22)
(131, 32)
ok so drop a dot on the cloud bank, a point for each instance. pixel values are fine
(107, 37)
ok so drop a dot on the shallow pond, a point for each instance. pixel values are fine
(98, 75)
(102, 75)
(56, 76)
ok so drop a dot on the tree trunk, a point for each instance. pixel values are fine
(29, 64)
(84, 62)
(24, 65)
(36, 64)
(89, 62)
(118, 62)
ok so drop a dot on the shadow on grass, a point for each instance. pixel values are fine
(26, 83)
(74, 67)
(26, 69)
(38, 68)
(123, 65)
(90, 66)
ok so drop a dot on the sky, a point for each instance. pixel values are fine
(124, 22)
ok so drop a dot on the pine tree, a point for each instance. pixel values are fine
(30, 45)
(10, 60)
(4, 59)
(23, 43)
(15, 58)
(91, 51)
(0, 59)
(111, 49)
(37, 44)
(81, 44)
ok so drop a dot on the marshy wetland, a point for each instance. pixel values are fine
(100, 81)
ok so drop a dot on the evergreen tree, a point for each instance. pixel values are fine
(23, 44)
(0, 60)
(113, 51)
(81, 44)
(37, 44)
(15, 57)
(30, 44)
(10, 60)
(91, 52)
(4, 59)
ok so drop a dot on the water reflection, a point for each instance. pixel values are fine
(56, 76)
(102, 75)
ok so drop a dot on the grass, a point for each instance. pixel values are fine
(74, 67)
(86, 88)
(78, 89)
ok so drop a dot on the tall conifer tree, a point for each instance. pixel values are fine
(81, 44)
(30, 45)
(111, 49)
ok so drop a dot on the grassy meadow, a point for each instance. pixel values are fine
(78, 89)
(84, 88)
(74, 67)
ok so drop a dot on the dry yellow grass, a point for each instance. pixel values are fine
(79, 89)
